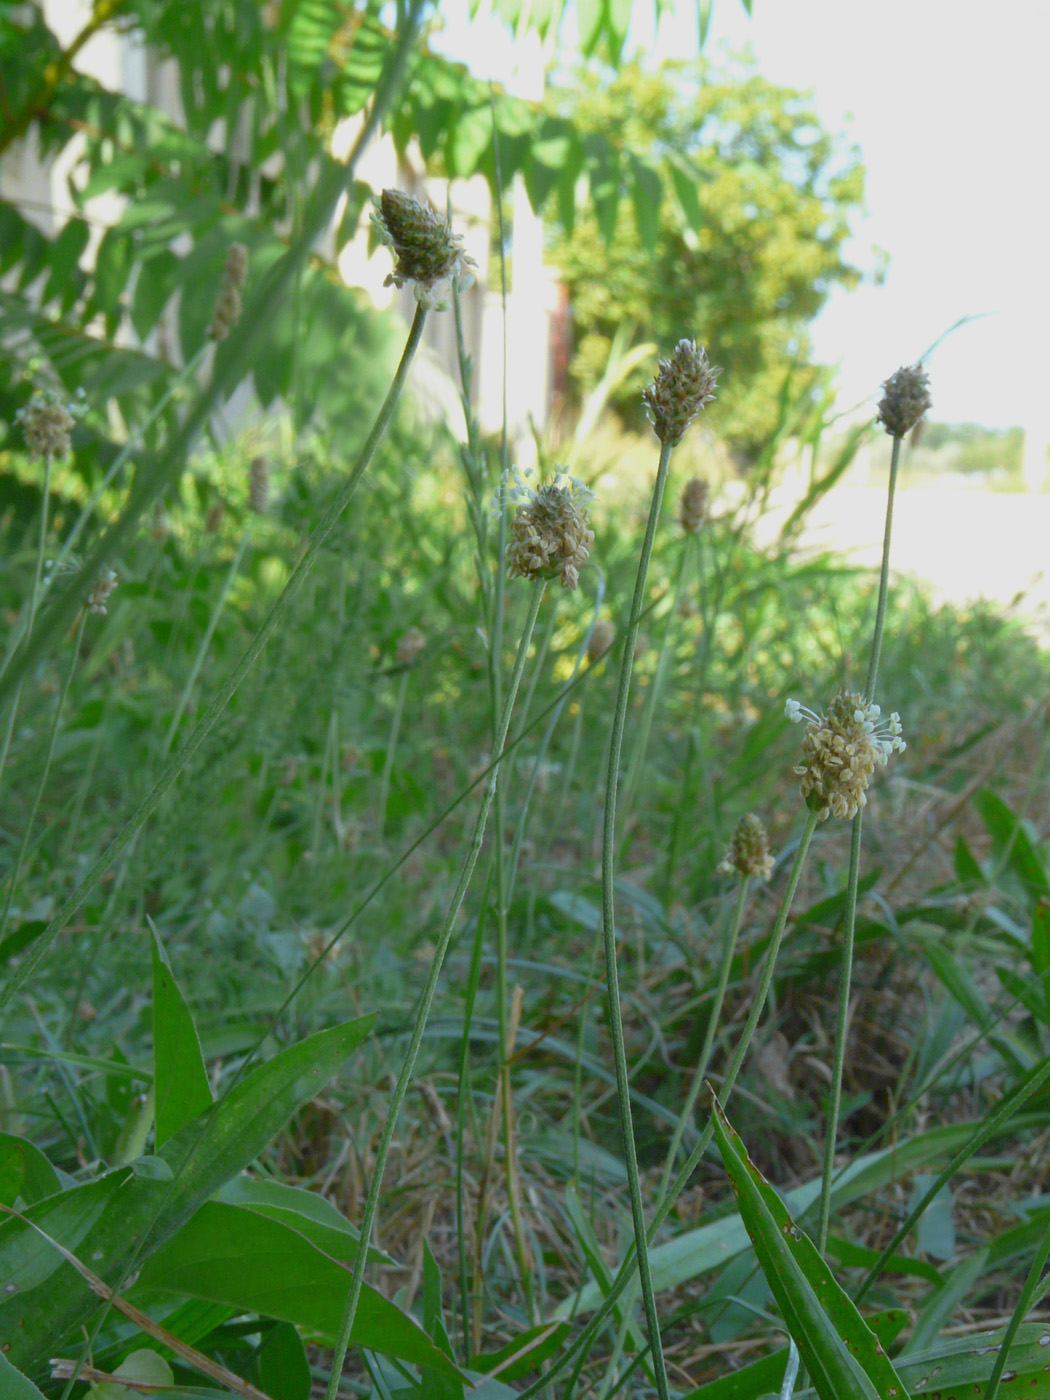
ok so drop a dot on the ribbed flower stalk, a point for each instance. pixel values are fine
(684, 384)
(906, 398)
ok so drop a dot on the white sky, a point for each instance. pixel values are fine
(949, 102)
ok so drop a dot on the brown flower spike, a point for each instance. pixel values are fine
(428, 252)
(228, 308)
(749, 853)
(550, 535)
(683, 385)
(840, 751)
(47, 423)
(692, 508)
(905, 400)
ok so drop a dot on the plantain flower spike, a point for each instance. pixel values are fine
(228, 308)
(905, 400)
(428, 252)
(103, 588)
(683, 385)
(840, 751)
(47, 422)
(749, 853)
(259, 486)
(692, 508)
(602, 638)
(409, 645)
(550, 535)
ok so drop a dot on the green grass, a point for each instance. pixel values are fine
(265, 844)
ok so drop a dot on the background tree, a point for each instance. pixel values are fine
(741, 237)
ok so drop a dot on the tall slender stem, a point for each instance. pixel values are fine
(884, 578)
(426, 1001)
(728, 949)
(612, 984)
(831, 1126)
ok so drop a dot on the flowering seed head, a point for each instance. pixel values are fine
(840, 751)
(905, 400)
(228, 308)
(47, 422)
(99, 595)
(259, 485)
(748, 852)
(692, 508)
(550, 535)
(410, 644)
(602, 638)
(683, 385)
(428, 252)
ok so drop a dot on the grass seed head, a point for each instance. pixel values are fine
(748, 853)
(840, 751)
(683, 385)
(905, 400)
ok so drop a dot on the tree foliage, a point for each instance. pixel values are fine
(723, 215)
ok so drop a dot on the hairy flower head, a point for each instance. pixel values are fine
(840, 751)
(104, 586)
(748, 853)
(683, 385)
(47, 422)
(428, 252)
(905, 400)
(550, 535)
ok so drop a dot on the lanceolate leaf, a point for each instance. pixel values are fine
(843, 1356)
(122, 1217)
(15, 1386)
(179, 1076)
(232, 1255)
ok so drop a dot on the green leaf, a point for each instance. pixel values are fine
(935, 1233)
(844, 1358)
(1012, 844)
(760, 1377)
(179, 1075)
(15, 1386)
(231, 1255)
(119, 1216)
(281, 1368)
(967, 866)
(646, 193)
(24, 1171)
(146, 1366)
(525, 1354)
(303, 1210)
(1041, 949)
(713, 1245)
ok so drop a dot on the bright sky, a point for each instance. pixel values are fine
(949, 102)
